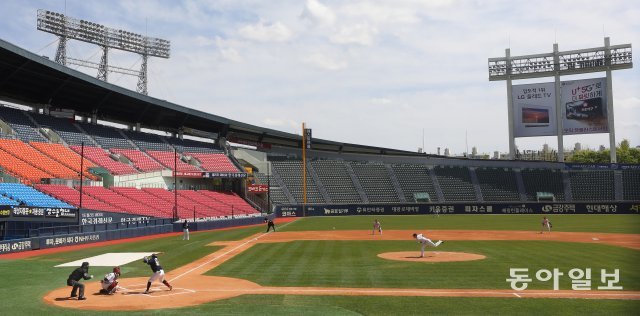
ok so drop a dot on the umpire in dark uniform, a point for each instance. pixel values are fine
(74, 280)
(270, 225)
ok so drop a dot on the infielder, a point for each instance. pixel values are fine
(424, 242)
(110, 282)
(545, 224)
(376, 226)
(158, 273)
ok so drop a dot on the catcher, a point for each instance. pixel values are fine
(158, 272)
(110, 282)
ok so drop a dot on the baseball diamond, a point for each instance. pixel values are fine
(319, 157)
(308, 258)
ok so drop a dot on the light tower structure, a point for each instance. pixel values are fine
(67, 28)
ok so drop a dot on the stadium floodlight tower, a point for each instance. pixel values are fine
(581, 106)
(67, 28)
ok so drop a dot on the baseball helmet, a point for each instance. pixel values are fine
(116, 270)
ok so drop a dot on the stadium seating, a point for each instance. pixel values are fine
(631, 184)
(291, 174)
(121, 202)
(65, 128)
(148, 141)
(106, 137)
(72, 196)
(101, 158)
(497, 184)
(36, 158)
(455, 183)
(193, 146)
(21, 169)
(336, 180)
(7, 201)
(139, 159)
(240, 206)
(375, 181)
(29, 196)
(215, 162)
(186, 206)
(208, 205)
(65, 156)
(168, 160)
(592, 185)
(164, 208)
(542, 180)
(414, 178)
(20, 123)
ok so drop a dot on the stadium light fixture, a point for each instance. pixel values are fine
(66, 28)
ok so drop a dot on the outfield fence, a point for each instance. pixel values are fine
(632, 207)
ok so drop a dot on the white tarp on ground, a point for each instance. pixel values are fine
(111, 259)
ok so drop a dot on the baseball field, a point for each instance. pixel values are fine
(335, 266)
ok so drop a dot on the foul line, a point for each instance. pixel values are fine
(411, 292)
(223, 254)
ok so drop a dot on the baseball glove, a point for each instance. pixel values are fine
(145, 259)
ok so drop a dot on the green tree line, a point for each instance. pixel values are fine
(624, 153)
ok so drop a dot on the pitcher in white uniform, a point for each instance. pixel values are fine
(424, 242)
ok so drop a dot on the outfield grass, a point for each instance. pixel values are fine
(24, 282)
(355, 264)
(377, 305)
(628, 224)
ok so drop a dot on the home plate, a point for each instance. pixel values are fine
(110, 259)
(594, 238)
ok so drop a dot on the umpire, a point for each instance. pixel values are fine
(270, 225)
(74, 280)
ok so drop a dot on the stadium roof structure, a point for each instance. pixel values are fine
(33, 80)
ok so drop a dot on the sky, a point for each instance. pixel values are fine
(402, 74)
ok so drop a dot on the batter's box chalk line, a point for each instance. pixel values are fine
(160, 290)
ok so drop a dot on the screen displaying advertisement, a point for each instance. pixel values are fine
(584, 105)
(534, 110)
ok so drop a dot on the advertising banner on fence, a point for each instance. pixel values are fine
(534, 109)
(68, 240)
(584, 104)
(32, 213)
(18, 245)
(88, 217)
(458, 208)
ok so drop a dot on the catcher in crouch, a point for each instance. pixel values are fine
(110, 282)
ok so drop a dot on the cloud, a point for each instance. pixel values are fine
(324, 62)
(227, 51)
(318, 13)
(383, 101)
(361, 34)
(266, 32)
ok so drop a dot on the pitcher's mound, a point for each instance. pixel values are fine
(431, 256)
